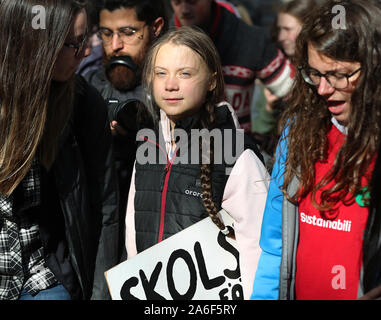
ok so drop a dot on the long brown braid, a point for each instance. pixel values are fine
(206, 172)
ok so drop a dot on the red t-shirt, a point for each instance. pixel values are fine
(329, 254)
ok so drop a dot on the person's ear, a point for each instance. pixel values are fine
(213, 82)
(157, 26)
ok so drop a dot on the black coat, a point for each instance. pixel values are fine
(79, 222)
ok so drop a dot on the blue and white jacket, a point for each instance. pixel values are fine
(266, 283)
(275, 275)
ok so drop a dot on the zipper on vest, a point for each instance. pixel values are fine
(164, 186)
(167, 172)
(162, 179)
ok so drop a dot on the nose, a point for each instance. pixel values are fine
(116, 42)
(87, 50)
(171, 84)
(324, 87)
(281, 35)
(185, 8)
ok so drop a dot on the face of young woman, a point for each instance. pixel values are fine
(288, 30)
(181, 81)
(338, 100)
(67, 63)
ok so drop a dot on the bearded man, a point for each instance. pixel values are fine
(126, 28)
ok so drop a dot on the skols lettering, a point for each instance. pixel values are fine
(228, 291)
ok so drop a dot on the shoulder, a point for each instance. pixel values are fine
(249, 160)
(227, 120)
(252, 44)
(85, 90)
(87, 99)
(96, 77)
(234, 25)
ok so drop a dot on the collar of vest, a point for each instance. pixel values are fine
(223, 120)
(191, 122)
(222, 114)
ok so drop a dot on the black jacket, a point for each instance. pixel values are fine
(168, 196)
(372, 235)
(80, 193)
(124, 146)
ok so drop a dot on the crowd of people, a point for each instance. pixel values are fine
(304, 98)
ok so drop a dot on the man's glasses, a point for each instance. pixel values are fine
(78, 47)
(126, 34)
(335, 79)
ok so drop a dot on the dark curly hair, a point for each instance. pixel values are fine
(307, 116)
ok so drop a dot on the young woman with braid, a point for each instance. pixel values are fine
(184, 80)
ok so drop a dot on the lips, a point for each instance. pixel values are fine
(335, 103)
(172, 100)
(336, 106)
(186, 16)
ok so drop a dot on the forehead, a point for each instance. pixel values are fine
(201, 7)
(287, 20)
(192, 2)
(79, 25)
(171, 55)
(118, 18)
(322, 63)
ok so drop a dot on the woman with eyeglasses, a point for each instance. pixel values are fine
(58, 200)
(314, 233)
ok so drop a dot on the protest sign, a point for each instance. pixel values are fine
(197, 263)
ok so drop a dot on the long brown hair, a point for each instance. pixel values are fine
(307, 117)
(33, 111)
(199, 42)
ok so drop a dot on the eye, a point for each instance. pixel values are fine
(339, 75)
(106, 33)
(184, 74)
(128, 32)
(314, 73)
(159, 74)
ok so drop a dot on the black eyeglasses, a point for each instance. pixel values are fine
(78, 46)
(335, 79)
